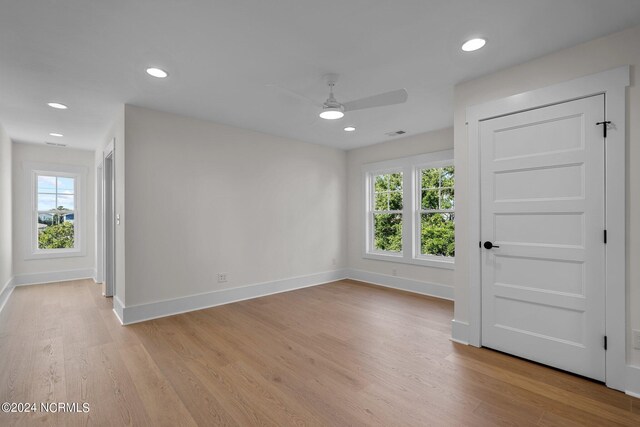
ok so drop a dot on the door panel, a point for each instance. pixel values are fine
(555, 228)
(521, 141)
(516, 184)
(542, 196)
(551, 275)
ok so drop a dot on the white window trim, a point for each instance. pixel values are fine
(409, 166)
(79, 173)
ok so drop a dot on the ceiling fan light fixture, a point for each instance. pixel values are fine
(332, 113)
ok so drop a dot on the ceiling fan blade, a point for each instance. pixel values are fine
(294, 94)
(388, 98)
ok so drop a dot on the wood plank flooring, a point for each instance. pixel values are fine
(341, 354)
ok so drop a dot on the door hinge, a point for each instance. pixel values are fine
(605, 237)
(605, 342)
(605, 125)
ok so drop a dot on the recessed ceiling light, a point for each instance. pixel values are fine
(473, 44)
(59, 135)
(57, 105)
(349, 129)
(157, 72)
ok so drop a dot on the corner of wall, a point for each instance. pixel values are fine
(403, 284)
(6, 212)
(633, 381)
(117, 132)
(460, 332)
(118, 309)
(5, 292)
(412, 278)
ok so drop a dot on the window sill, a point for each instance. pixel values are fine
(399, 258)
(48, 255)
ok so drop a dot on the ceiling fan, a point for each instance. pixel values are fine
(332, 109)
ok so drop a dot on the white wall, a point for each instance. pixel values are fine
(40, 268)
(396, 148)
(619, 49)
(203, 198)
(6, 259)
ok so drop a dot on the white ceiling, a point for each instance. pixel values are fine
(223, 56)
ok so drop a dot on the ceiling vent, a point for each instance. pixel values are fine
(396, 133)
(55, 144)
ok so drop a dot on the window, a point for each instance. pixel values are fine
(410, 208)
(56, 203)
(387, 212)
(54, 229)
(436, 212)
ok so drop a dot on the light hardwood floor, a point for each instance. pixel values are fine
(340, 354)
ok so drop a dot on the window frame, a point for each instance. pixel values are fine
(411, 208)
(78, 173)
(418, 211)
(371, 250)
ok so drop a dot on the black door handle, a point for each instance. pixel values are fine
(489, 245)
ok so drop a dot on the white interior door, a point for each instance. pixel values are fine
(542, 206)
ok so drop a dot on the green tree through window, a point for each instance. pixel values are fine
(387, 212)
(437, 212)
(57, 236)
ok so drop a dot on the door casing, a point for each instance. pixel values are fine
(108, 217)
(99, 222)
(613, 85)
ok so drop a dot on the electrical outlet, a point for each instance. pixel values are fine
(636, 339)
(394, 272)
(334, 262)
(222, 277)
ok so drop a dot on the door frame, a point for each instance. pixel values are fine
(612, 84)
(108, 220)
(99, 222)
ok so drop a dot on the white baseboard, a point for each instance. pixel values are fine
(118, 308)
(52, 276)
(142, 312)
(6, 292)
(460, 332)
(633, 381)
(139, 313)
(403, 284)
